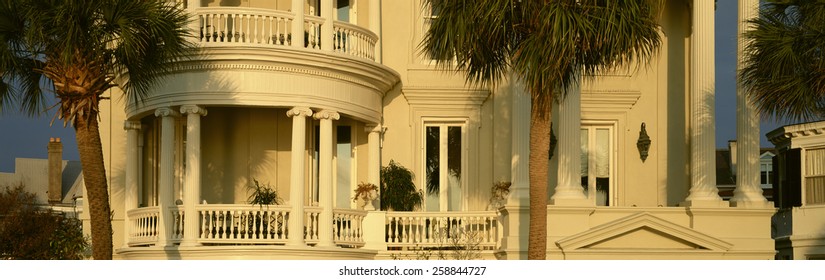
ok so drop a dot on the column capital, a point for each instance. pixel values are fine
(374, 127)
(193, 109)
(132, 125)
(165, 112)
(299, 111)
(327, 114)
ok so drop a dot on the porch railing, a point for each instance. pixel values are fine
(443, 229)
(143, 228)
(354, 40)
(244, 25)
(244, 224)
(237, 224)
(348, 227)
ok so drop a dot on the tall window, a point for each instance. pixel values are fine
(815, 176)
(597, 163)
(444, 166)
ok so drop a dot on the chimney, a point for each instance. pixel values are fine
(55, 192)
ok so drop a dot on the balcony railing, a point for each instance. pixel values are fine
(221, 26)
(442, 229)
(245, 224)
(143, 226)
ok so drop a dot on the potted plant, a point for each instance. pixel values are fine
(264, 195)
(366, 193)
(498, 195)
(398, 191)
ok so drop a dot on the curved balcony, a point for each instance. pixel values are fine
(264, 58)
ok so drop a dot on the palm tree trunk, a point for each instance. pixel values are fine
(540, 117)
(94, 176)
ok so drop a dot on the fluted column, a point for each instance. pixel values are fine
(166, 177)
(297, 176)
(298, 23)
(520, 153)
(192, 179)
(325, 177)
(569, 190)
(375, 26)
(327, 30)
(748, 192)
(703, 191)
(131, 175)
(374, 159)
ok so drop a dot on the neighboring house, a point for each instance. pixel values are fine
(315, 102)
(799, 226)
(56, 183)
(726, 171)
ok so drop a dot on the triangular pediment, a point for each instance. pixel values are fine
(642, 231)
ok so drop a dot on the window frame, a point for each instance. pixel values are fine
(443, 123)
(613, 187)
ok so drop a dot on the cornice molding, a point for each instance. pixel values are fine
(609, 99)
(447, 97)
(786, 133)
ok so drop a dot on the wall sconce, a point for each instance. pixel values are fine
(643, 144)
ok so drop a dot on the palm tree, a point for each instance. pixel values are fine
(77, 50)
(784, 69)
(548, 45)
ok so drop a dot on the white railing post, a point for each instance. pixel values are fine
(375, 27)
(327, 30)
(298, 24)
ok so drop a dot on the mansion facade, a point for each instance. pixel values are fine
(313, 97)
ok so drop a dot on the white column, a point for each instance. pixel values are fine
(327, 30)
(167, 174)
(374, 160)
(297, 175)
(131, 175)
(192, 179)
(298, 23)
(325, 177)
(703, 191)
(569, 189)
(748, 192)
(516, 212)
(375, 26)
(520, 153)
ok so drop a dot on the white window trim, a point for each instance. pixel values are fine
(422, 157)
(613, 193)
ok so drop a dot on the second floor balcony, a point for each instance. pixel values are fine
(322, 25)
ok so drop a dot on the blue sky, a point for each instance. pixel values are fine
(24, 137)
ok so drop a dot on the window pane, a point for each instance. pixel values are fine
(602, 150)
(433, 173)
(815, 162)
(343, 10)
(343, 155)
(454, 164)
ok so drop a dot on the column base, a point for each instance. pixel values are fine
(705, 203)
(752, 204)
